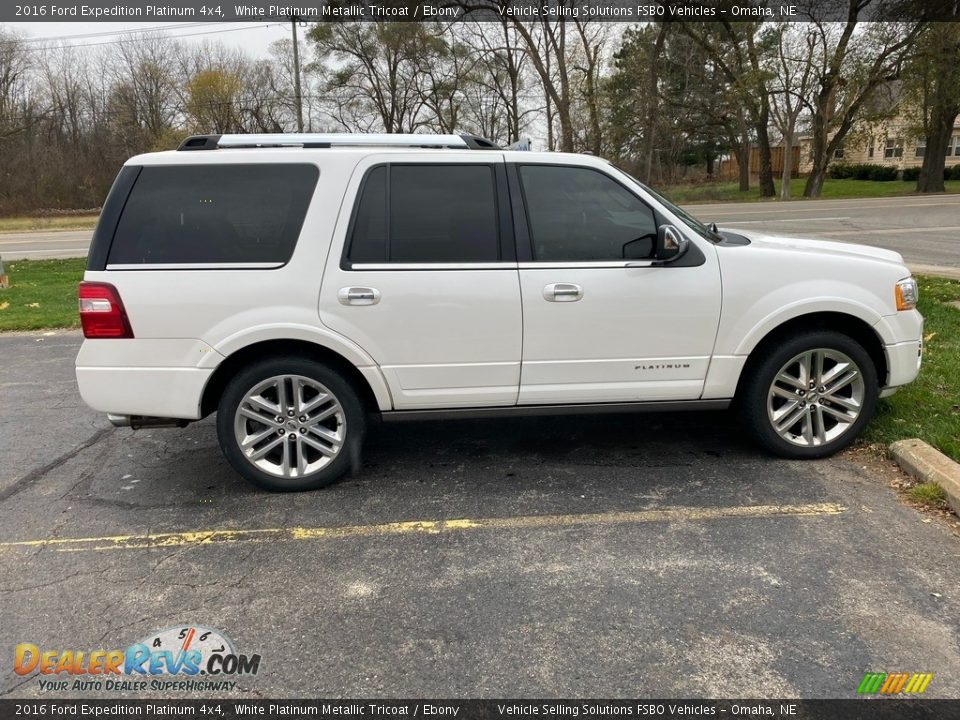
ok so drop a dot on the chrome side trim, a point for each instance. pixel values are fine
(196, 266)
(434, 266)
(543, 410)
(588, 264)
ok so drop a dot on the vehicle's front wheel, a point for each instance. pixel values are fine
(810, 396)
(289, 424)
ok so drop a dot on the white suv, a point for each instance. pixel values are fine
(298, 284)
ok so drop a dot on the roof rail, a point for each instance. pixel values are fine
(327, 140)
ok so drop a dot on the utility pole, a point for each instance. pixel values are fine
(297, 93)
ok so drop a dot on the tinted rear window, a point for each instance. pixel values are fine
(433, 214)
(214, 214)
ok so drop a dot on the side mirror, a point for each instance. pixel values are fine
(670, 244)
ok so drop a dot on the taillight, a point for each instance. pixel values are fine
(101, 311)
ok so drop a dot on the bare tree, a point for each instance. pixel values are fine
(852, 63)
(15, 63)
(791, 88)
(374, 72)
(501, 104)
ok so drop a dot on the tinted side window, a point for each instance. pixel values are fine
(432, 214)
(369, 242)
(214, 214)
(581, 214)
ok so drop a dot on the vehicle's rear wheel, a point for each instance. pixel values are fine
(289, 424)
(809, 396)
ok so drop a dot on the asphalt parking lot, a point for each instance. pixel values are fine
(608, 556)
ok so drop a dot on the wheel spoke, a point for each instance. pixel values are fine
(252, 414)
(282, 397)
(328, 435)
(821, 431)
(791, 420)
(787, 408)
(784, 393)
(253, 440)
(257, 454)
(806, 368)
(323, 415)
(808, 427)
(317, 402)
(841, 383)
(847, 403)
(318, 446)
(259, 402)
(301, 457)
(834, 372)
(818, 368)
(791, 381)
(285, 461)
(836, 414)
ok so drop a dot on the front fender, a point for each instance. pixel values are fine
(782, 314)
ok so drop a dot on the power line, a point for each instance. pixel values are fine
(107, 33)
(135, 39)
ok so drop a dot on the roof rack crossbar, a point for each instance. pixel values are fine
(326, 140)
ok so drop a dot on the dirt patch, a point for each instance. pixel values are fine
(874, 459)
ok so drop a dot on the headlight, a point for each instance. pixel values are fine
(907, 293)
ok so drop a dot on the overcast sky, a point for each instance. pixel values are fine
(252, 37)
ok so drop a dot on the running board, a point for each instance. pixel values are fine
(541, 410)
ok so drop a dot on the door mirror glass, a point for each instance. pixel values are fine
(670, 243)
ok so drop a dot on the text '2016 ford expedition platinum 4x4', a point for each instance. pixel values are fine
(297, 284)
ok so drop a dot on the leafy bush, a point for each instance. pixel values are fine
(954, 172)
(911, 174)
(862, 171)
(839, 171)
(882, 173)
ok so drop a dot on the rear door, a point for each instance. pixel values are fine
(423, 275)
(602, 323)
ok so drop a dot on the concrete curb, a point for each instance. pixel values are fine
(943, 271)
(917, 458)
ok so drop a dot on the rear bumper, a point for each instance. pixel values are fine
(149, 391)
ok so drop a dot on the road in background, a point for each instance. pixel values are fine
(46, 244)
(925, 229)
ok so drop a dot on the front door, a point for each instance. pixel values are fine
(426, 281)
(596, 329)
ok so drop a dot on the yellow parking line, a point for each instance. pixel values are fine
(219, 537)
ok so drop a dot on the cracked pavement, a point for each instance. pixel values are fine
(692, 605)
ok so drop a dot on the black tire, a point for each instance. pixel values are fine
(756, 386)
(351, 421)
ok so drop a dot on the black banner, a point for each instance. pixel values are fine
(629, 11)
(853, 709)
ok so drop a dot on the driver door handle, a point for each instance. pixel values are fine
(562, 292)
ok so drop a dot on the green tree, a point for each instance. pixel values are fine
(212, 101)
(931, 84)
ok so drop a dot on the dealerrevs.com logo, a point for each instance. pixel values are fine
(187, 658)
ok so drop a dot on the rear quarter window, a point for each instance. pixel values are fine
(213, 214)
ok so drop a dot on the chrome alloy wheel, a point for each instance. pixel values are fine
(290, 426)
(815, 397)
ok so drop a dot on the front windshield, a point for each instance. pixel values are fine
(688, 219)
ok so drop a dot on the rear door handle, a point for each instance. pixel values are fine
(358, 296)
(562, 292)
